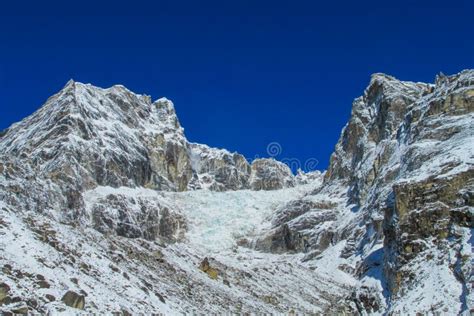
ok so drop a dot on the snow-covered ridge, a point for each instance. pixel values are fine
(114, 137)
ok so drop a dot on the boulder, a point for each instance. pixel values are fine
(73, 299)
(210, 271)
(4, 292)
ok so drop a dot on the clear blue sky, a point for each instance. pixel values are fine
(242, 74)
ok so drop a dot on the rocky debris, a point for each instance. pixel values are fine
(365, 301)
(72, 299)
(7, 268)
(270, 299)
(162, 299)
(43, 284)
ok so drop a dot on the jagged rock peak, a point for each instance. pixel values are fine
(380, 76)
(114, 137)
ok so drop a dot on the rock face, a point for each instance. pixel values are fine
(218, 169)
(4, 290)
(136, 217)
(400, 190)
(429, 217)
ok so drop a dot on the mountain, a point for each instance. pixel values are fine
(107, 207)
(397, 198)
(113, 137)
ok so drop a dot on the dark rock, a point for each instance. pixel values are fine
(32, 303)
(50, 297)
(206, 267)
(281, 239)
(73, 299)
(43, 284)
(6, 300)
(16, 299)
(21, 310)
(4, 292)
(7, 269)
(162, 299)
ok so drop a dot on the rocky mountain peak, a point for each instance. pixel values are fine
(375, 118)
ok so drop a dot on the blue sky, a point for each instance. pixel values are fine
(242, 74)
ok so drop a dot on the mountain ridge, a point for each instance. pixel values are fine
(112, 119)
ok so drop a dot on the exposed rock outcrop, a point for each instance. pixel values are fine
(136, 217)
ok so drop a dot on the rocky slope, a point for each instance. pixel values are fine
(107, 207)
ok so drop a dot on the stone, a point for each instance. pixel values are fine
(4, 292)
(7, 269)
(50, 297)
(32, 303)
(162, 299)
(23, 310)
(40, 277)
(73, 299)
(210, 271)
(43, 284)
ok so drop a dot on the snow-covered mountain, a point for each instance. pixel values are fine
(107, 207)
(113, 137)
